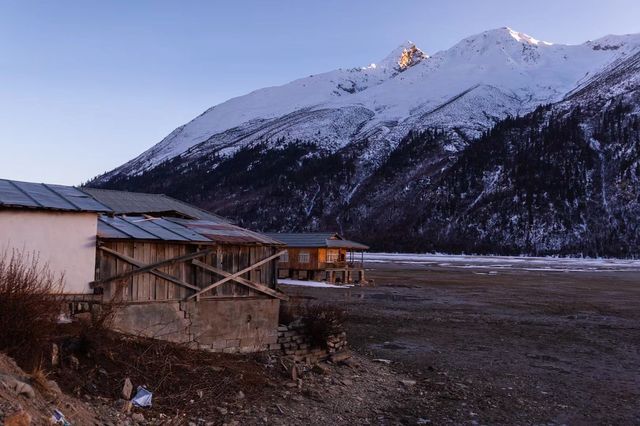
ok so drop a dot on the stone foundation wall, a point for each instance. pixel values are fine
(165, 321)
(295, 342)
(234, 326)
(230, 325)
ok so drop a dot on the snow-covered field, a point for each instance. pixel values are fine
(494, 263)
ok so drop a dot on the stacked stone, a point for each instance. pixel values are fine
(337, 342)
(296, 344)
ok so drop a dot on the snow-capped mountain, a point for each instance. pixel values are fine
(469, 87)
(428, 147)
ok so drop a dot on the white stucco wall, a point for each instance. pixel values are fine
(66, 241)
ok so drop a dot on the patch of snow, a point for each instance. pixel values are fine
(526, 38)
(319, 284)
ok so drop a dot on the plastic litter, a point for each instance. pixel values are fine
(142, 398)
(59, 419)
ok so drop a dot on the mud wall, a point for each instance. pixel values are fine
(65, 241)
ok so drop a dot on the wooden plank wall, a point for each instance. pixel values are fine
(147, 287)
(317, 259)
(294, 252)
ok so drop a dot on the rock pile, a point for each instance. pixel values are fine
(296, 343)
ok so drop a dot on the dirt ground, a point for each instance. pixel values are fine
(201, 388)
(437, 342)
(500, 347)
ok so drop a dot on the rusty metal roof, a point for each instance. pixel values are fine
(177, 230)
(42, 196)
(226, 233)
(316, 239)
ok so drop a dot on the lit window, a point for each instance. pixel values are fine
(284, 258)
(332, 256)
(303, 257)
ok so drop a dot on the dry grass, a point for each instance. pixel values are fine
(30, 302)
(40, 379)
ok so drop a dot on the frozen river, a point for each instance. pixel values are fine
(494, 263)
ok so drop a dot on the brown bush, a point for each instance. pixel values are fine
(30, 302)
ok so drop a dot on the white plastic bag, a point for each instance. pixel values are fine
(142, 398)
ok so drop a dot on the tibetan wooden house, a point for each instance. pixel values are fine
(321, 257)
(163, 268)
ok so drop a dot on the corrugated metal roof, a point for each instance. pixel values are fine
(16, 194)
(226, 233)
(348, 244)
(122, 202)
(316, 239)
(143, 228)
(176, 229)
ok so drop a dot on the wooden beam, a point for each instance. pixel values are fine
(138, 264)
(150, 267)
(251, 284)
(237, 274)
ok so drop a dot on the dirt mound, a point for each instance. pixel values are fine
(182, 380)
(205, 388)
(25, 398)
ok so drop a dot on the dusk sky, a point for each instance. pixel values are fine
(88, 85)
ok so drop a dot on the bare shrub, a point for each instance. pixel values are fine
(322, 321)
(290, 310)
(99, 325)
(30, 302)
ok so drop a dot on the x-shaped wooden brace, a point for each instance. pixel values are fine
(237, 278)
(151, 268)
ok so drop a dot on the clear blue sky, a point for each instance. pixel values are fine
(86, 85)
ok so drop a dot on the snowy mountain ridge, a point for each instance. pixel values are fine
(502, 144)
(466, 89)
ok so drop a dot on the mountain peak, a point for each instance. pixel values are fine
(503, 35)
(402, 57)
(410, 56)
(467, 87)
(524, 38)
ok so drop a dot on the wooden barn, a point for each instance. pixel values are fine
(321, 257)
(164, 268)
(206, 282)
